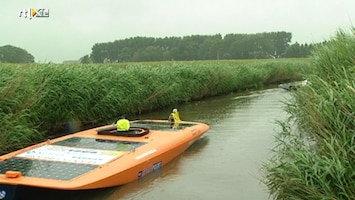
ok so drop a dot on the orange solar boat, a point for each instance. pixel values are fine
(96, 158)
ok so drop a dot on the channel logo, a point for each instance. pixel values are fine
(34, 13)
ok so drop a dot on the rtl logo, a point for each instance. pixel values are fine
(33, 12)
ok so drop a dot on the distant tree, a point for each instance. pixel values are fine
(210, 48)
(85, 59)
(11, 54)
(125, 54)
(153, 53)
(294, 51)
(297, 50)
(189, 47)
(282, 40)
(99, 53)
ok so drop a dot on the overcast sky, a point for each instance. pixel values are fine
(74, 26)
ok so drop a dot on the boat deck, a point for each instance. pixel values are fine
(74, 156)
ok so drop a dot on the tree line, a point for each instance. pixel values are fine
(194, 47)
(199, 47)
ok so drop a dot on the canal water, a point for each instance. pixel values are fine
(225, 163)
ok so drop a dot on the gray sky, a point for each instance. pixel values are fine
(74, 26)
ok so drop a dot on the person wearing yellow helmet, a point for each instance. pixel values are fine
(123, 125)
(174, 118)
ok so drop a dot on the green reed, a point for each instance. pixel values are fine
(44, 98)
(315, 155)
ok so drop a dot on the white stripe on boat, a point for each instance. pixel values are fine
(71, 154)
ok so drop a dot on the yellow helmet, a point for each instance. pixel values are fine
(123, 125)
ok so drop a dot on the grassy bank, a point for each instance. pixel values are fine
(315, 155)
(39, 98)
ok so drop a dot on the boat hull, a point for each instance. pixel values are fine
(88, 160)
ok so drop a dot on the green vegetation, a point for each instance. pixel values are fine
(199, 47)
(37, 99)
(315, 155)
(11, 54)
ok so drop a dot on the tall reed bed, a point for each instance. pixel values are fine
(42, 98)
(315, 155)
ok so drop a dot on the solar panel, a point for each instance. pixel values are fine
(67, 159)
